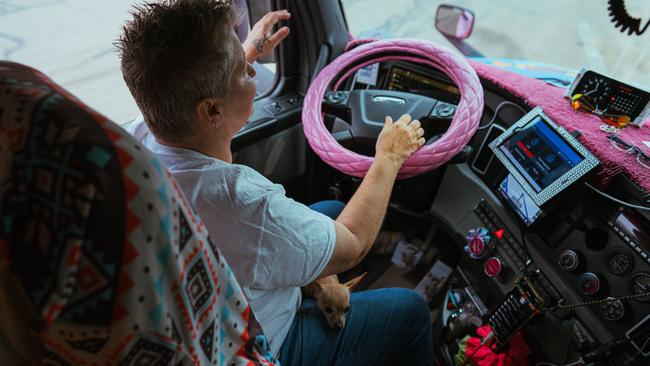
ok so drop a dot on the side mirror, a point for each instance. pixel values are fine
(454, 21)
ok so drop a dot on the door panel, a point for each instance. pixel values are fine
(273, 142)
(279, 157)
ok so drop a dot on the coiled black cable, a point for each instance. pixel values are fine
(621, 18)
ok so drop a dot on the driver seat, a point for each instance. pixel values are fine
(102, 260)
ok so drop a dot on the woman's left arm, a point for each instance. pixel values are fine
(261, 40)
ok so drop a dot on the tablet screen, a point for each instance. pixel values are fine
(540, 154)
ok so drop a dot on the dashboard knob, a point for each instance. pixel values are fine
(493, 267)
(477, 242)
(443, 110)
(336, 97)
(446, 110)
(589, 283)
(613, 310)
(569, 260)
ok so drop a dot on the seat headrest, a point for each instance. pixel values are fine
(109, 253)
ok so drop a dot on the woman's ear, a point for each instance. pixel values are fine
(210, 112)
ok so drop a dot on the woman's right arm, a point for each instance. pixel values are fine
(359, 223)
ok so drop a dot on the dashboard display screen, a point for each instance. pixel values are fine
(539, 154)
(520, 201)
(404, 80)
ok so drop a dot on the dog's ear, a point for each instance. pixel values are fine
(355, 281)
(313, 289)
(318, 286)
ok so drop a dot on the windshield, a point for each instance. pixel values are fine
(71, 41)
(571, 34)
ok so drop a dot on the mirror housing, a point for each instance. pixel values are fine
(454, 21)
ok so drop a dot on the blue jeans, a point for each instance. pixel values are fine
(389, 326)
(331, 208)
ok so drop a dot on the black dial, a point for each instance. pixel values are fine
(613, 310)
(569, 260)
(619, 262)
(639, 284)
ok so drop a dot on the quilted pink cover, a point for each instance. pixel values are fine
(429, 157)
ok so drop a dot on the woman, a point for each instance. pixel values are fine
(191, 78)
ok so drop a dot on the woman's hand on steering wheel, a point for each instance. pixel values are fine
(398, 140)
(261, 40)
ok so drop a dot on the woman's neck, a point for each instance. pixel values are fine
(217, 147)
(217, 151)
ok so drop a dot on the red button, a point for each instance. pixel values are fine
(492, 267)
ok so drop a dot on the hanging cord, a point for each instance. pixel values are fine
(626, 204)
(621, 18)
(575, 363)
(601, 301)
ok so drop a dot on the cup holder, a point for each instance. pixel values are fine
(596, 239)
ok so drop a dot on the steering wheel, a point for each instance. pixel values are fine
(368, 108)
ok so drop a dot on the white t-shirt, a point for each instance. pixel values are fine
(273, 243)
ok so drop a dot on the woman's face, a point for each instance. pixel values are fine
(238, 106)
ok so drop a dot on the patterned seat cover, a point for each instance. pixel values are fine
(117, 266)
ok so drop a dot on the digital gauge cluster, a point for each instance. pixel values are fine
(401, 79)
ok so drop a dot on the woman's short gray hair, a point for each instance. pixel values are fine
(175, 53)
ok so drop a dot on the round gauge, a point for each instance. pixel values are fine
(619, 262)
(640, 284)
(597, 89)
(613, 310)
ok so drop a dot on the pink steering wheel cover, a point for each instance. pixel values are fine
(462, 128)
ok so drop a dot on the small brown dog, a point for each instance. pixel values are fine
(333, 297)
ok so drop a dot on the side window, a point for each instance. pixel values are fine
(265, 67)
(39, 34)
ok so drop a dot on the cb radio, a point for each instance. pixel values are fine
(518, 308)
